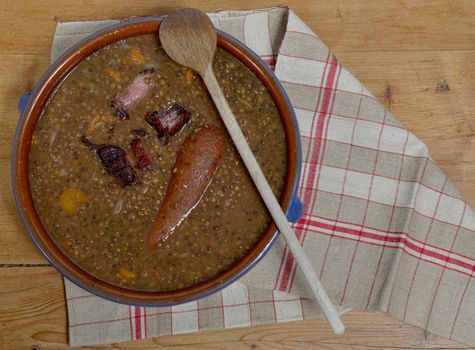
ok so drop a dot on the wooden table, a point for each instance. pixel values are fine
(405, 52)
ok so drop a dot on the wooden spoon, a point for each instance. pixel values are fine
(189, 38)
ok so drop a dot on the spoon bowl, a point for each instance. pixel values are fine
(176, 39)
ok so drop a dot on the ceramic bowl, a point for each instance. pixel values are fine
(31, 106)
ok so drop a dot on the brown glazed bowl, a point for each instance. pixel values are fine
(31, 106)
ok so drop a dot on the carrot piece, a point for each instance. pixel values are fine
(126, 274)
(114, 74)
(189, 74)
(71, 199)
(136, 56)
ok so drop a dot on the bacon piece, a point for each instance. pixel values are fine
(169, 122)
(141, 154)
(115, 161)
(195, 164)
(135, 92)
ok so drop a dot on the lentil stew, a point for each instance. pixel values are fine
(99, 205)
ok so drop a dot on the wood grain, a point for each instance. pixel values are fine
(19, 73)
(32, 313)
(372, 25)
(408, 46)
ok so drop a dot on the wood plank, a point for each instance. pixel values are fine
(445, 121)
(362, 25)
(19, 74)
(33, 314)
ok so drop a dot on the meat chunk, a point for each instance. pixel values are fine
(169, 122)
(141, 154)
(135, 92)
(116, 163)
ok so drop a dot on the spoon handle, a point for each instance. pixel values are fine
(271, 202)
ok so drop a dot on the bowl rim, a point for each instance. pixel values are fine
(29, 116)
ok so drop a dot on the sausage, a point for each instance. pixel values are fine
(195, 164)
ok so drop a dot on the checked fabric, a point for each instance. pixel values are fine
(383, 226)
